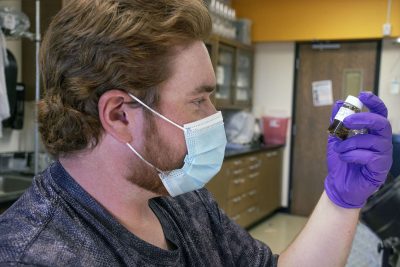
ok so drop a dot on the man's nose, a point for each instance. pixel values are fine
(211, 108)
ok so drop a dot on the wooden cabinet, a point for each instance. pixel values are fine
(233, 65)
(249, 187)
(269, 197)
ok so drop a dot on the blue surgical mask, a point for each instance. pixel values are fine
(205, 141)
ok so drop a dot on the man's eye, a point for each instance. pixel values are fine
(199, 101)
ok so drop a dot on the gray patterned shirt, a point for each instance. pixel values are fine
(57, 223)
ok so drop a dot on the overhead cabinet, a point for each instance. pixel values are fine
(233, 65)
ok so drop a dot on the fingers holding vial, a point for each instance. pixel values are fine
(357, 166)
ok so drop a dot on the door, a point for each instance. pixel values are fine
(349, 67)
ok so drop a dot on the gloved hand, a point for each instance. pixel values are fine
(359, 165)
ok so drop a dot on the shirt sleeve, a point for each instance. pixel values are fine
(245, 250)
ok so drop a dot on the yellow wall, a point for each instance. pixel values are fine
(291, 20)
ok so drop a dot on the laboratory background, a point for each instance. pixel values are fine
(280, 66)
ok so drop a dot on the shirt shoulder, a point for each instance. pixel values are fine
(25, 219)
(197, 215)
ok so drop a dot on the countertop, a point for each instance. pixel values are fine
(239, 151)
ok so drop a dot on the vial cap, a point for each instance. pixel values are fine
(354, 101)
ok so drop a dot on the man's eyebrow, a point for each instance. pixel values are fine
(203, 89)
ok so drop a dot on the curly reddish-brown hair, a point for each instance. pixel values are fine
(93, 46)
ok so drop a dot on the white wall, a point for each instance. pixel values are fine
(273, 91)
(390, 70)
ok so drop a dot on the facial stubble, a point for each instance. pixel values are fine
(159, 153)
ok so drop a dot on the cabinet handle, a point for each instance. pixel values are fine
(236, 199)
(238, 171)
(237, 217)
(252, 193)
(250, 210)
(239, 181)
(237, 162)
(253, 159)
(254, 175)
(272, 154)
(255, 166)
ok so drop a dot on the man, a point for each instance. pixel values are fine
(127, 114)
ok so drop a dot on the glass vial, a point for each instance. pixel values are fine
(350, 106)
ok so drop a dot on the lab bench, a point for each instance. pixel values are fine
(248, 187)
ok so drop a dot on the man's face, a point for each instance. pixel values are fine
(184, 98)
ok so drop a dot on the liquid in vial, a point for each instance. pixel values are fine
(350, 106)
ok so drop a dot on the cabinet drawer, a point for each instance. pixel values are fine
(241, 202)
(238, 186)
(243, 180)
(252, 179)
(254, 163)
(243, 184)
(246, 217)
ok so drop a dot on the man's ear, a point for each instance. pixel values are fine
(113, 115)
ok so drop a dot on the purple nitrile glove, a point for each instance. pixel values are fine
(359, 165)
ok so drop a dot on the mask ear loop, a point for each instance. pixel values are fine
(156, 113)
(140, 156)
